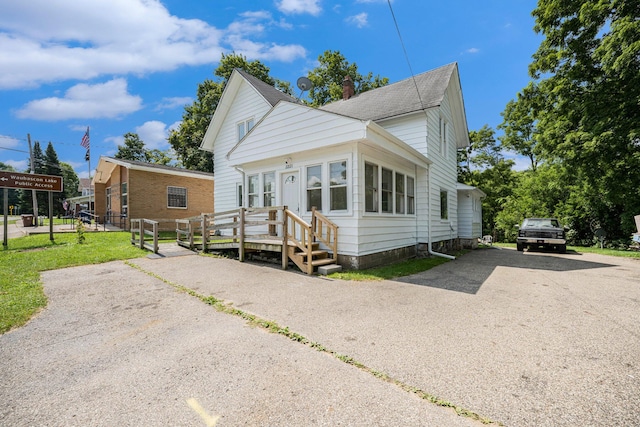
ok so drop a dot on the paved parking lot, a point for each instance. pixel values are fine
(524, 339)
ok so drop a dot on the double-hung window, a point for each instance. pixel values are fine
(269, 189)
(124, 197)
(371, 187)
(244, 127)
(387, 190)
(394, 194)
(338, 186)
(444, 204)
(399, 193)
(253, 193)
(411, 196)
(314, 187)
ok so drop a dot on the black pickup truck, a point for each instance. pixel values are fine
(541, 233)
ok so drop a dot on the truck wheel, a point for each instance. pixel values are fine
(562, 249)
(519, 247)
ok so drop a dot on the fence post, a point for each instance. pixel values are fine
(205, 232)
(141, 231)
(241, 247)
(285, 239)
(155, 237)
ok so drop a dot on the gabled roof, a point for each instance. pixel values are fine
(270, 93)
(106, 166)
(467, 188)
(399, 98)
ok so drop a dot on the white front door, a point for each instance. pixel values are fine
(291, 191)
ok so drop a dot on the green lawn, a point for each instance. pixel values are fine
(21, 293)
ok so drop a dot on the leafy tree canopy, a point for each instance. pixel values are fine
(587, 72)
(134, 149)
(327, 78)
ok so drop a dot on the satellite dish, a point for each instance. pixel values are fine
(304, 84)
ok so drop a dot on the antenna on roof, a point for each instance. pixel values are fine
(304, 84)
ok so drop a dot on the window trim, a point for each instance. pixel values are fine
(247, 125)
(256, 194)
(124, 196)
(444, 207)
(377, 190)
(186, 197)
(264, 192)
(344, 185)
(308, 206)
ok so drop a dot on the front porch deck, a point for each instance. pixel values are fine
(273, 229)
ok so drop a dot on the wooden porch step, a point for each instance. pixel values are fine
(323, 261)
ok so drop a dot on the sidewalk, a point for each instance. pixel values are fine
(16, 229)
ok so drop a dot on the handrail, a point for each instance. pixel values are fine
(235, 224)
(326, 231)
(138, 225)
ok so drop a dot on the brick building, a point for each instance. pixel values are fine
(126, 189)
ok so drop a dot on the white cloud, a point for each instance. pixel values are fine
(472, 50)
(311, 7)
(154, 134)
(360, 20)
(84, 101)
(174, 102)
(255, 24)
(19, 165)
(263, 51)
(43, 41)
(8, 141)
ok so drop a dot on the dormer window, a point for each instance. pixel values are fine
(244, 127)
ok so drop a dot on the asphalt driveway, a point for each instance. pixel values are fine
(533, 339)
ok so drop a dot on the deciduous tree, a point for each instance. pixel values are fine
(588, 68)
(327, 78)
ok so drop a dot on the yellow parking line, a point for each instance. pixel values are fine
(208, 419)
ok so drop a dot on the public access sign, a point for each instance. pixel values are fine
(28, 181)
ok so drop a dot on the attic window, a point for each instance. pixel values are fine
(244, 127)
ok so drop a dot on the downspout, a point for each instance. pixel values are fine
(431, 251)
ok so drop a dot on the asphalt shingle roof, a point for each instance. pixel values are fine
(398, 98)
(270, 93)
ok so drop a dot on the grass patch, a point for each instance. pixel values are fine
(404, 268)
(588, 250)
(21, 293)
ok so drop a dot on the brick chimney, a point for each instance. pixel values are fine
(347, 88)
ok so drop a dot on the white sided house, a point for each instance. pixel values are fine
(381, 165)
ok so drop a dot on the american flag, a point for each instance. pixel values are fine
(85, 139)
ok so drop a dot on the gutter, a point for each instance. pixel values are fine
(429, 249)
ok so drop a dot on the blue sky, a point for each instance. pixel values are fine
(122, 66)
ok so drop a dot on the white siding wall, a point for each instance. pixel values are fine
(444, 174)
(248, 104)
(465, 216)
(306, 129)
(379, 231)
(359, 233)
(426, 139)
(410, 129)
